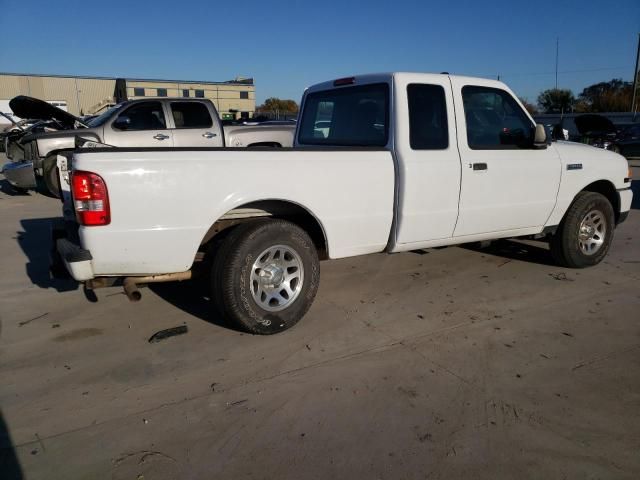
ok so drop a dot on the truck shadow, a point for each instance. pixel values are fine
(35, 242)
(8, 189)
(9, 464)
(514, 249)
(635, 188)
(191, 297)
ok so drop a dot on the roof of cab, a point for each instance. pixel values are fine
(388, 76)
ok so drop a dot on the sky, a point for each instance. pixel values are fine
(287, 46)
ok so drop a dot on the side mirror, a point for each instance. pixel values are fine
(122, 122)
(540, 136)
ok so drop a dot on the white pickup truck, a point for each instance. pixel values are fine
(381, 163)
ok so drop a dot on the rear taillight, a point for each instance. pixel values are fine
(90, 198)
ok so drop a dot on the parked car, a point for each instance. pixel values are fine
(407, 161)
(627, 142)
(161, 122)
(10, 138)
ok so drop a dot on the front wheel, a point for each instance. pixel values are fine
(584, 236)
(265, 276)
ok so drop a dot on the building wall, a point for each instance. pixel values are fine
(226, 97)
(86, 95)
(81, 94)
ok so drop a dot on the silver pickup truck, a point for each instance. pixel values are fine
(158, 122)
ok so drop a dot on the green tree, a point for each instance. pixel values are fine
(612, 96)
(556, 100)
(276, 105)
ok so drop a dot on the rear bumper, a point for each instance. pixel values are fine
(20, 174)
(77, 261)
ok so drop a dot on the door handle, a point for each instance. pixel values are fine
(478, 166)
(161, 136)
(209, 135)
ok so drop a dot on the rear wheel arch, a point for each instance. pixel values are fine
(276, 209)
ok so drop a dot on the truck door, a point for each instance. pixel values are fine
(194, 125)
(506, 184)
(428, 160)
(142, 124)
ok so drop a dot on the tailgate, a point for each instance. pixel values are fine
(64, 163)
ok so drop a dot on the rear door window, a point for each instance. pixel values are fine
(191, 115)
(349, 116)
(428, 128)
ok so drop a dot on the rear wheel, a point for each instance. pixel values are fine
(584, 236)
(50, 176)
(265, 276)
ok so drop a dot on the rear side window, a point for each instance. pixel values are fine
(494, 119)
(350, 116)
(428, 127)
(191, 115)
(142, 116)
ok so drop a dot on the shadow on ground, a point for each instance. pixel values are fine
(635, 188)
(9, 465)
(532, 252)
(35, 241)
(8, 189)
(191, 297)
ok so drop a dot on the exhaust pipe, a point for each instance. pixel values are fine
(130, 284)
(131, 289)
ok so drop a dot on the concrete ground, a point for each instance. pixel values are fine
(453, 363)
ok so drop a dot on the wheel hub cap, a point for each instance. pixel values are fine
(276, 278)
(592, 232)
(271, 276)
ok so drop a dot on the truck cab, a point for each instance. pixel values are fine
(468, 164)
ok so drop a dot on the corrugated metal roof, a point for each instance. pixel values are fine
(244, 81)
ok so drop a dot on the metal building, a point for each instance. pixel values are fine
(90, 95)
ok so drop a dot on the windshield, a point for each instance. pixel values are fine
(104, 116)
(352, 116)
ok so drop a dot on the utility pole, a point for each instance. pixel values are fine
(634, 107)
(557, 49)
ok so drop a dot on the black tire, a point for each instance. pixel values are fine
(233, 278)
(566, 242)
(50, 177)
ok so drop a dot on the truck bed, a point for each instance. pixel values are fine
(163, 201)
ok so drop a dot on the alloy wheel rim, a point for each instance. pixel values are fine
(592, 232)
(276, 279)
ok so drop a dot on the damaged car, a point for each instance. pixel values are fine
(21, 145)
(147, 123)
